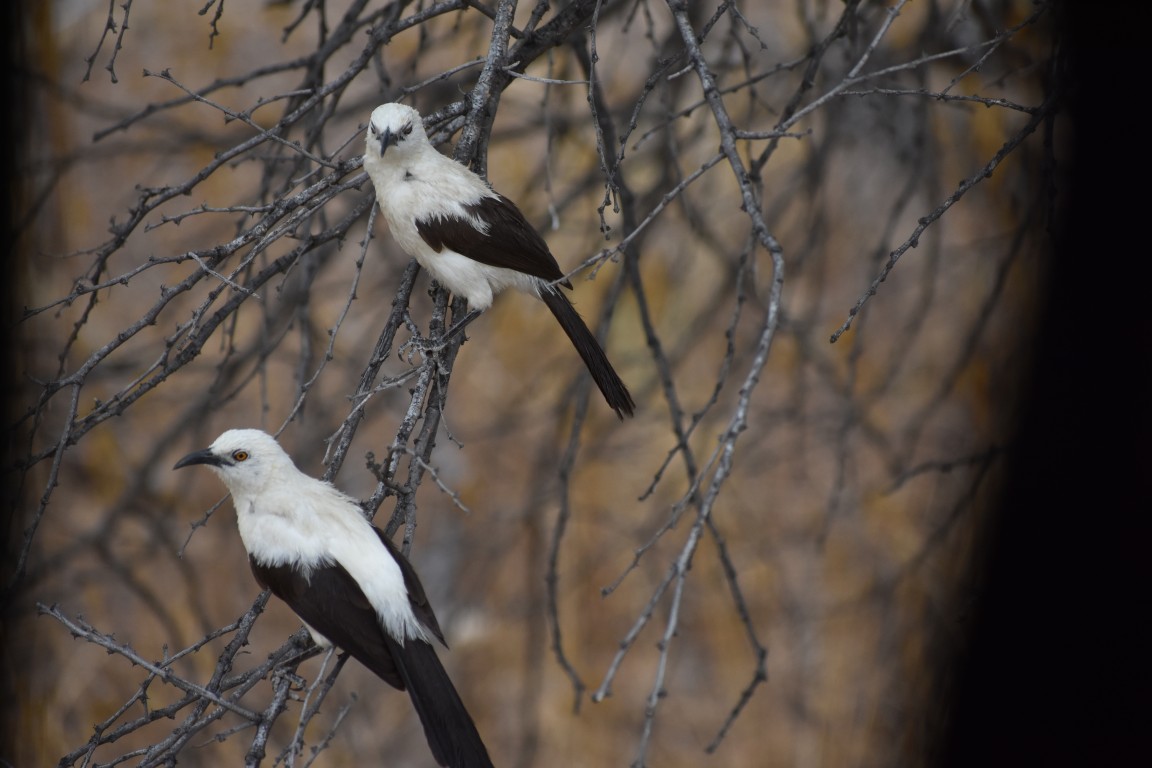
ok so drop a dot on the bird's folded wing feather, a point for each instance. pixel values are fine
(510, 241)
(332, 603)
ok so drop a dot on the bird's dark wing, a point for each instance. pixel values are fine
(331, 602)
(416, 597)
(511, 242)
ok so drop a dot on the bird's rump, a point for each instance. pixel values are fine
(416, 597)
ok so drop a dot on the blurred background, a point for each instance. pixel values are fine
(772, 563)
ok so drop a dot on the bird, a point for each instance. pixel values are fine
(472, 240)
(312, 546)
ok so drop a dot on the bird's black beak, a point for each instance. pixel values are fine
(200, 457)
(387, 139)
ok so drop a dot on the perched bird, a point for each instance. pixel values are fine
(312, 546)
(473, 241)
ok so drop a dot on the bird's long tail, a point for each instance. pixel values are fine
(590, 351)
(451, 734)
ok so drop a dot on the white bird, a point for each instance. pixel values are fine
(472, 240)
(314, 548)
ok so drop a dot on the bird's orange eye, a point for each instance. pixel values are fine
(240, 455)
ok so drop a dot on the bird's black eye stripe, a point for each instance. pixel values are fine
(240, 455)
(372, 129)
(407, 130)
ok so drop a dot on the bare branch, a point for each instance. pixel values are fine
(208, 258)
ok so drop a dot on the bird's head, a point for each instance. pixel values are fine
(247, 460)
(394, 125)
